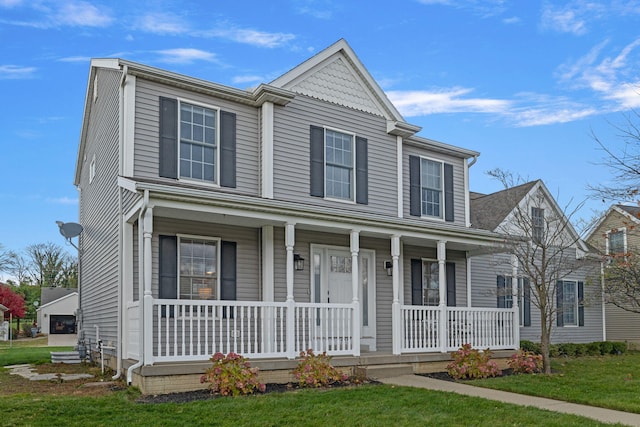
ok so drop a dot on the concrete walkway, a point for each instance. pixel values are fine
(29, 372)
(600, 414)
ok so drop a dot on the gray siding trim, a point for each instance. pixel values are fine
(292, 160)
(146, 150)
(99, 256)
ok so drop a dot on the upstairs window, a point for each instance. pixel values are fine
(339, 165)
(616, 242)
(431, 188)
(537, 225)
(198, 143)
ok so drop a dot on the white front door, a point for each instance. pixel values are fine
(331, 283)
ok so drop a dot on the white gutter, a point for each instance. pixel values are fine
(467, 201)
(143, 209)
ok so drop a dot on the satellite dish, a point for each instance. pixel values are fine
(69, 230)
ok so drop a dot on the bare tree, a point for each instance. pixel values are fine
(48, 264)
(546, 248)
(5, 259)
(622, 280)
(20, 268)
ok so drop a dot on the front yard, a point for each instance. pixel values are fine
(609, 381)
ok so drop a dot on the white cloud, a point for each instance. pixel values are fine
(75, 59)
(247, 79)
(564, 20)
(162, 23)
(251, 37)
(81, 14)
(186, 55)
(447, 100)
(63, 200)
(14, 72)
(484, 8)
(512, 20)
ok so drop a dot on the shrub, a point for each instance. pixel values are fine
(554, 350)
(606, 347)
(525, 362)
(471, 363)
(530, 346)
(316, 370)
(594, 349)
(618, 347)
(232, 375)
(567, 349)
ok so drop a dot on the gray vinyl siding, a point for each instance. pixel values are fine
(621, 325)
(458, 258)
(484, 272)
(146, 151)
(459, 199)
(99, 216)
(248, 257)
(291, 153)
(129, 199)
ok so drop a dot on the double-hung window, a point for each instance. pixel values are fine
(198, 267)
(431, 188)
(537, 225)
(339, 169)
(430, 283)
(616, 242)
(198, 143)
(568, 307)
(505, 297)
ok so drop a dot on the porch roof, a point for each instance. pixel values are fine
(193, 203)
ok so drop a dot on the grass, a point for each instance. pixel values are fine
(368, 405)
(607, 381)
(28, 350)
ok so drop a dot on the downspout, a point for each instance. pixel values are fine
(467, 210)
(143, 210)
(120, 239)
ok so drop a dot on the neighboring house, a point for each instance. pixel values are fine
(57, 311)
(578, 313)
(616, 232)
(304, 213)
(4, 325)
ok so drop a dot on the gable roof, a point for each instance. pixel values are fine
(630, 212)
(55, 301)
(487, 211)
(52, 294)
(336, 75)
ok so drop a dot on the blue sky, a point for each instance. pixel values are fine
(523, 82)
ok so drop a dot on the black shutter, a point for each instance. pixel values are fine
(415, 205)
(228, 271)
(316, 154)
(168, 270)
(448, 192)
(227, 149)
(416, 282)
(168, 144)
(559, 317)
(526, 310)
(451, 284)
(580, 303)
(501, 283)
(362, 171)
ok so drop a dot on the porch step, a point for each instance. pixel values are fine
(384, 371)
(65, 357)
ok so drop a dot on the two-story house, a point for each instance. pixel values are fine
(304, 213)
(615, 234)
(567, 275)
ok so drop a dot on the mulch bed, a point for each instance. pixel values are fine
(446, 377)
(198, 395)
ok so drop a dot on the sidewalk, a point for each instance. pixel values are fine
(600, 414)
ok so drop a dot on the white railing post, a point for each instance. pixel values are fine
(355, 281)
(289, 243)
(515, 297)
(396, 315)
(147, 321)
(442, 287)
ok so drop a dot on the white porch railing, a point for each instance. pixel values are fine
(191, 330)
(481, 327)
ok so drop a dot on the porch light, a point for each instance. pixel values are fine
(388, 265)
(298, 262)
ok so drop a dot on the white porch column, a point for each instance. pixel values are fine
(147, 321)
(396, 313)
(355, 281)
(442, 288)
(267, 150)
(127, 285)
(290, 240)
(268, 292)
(515, 299)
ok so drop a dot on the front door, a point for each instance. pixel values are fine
(331, 283)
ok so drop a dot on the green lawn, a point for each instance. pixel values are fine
(27, 350)
(606, 381)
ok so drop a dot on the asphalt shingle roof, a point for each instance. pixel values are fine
(487, 211)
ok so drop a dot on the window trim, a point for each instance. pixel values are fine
(218, 148)
(442, 196)
(433, 261)
(576, 304)
(217, 283)
(92, 169)
(353, 165)
(534, 227)
(622, 230)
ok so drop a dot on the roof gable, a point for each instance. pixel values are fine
(630, 213)
(336, 75)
